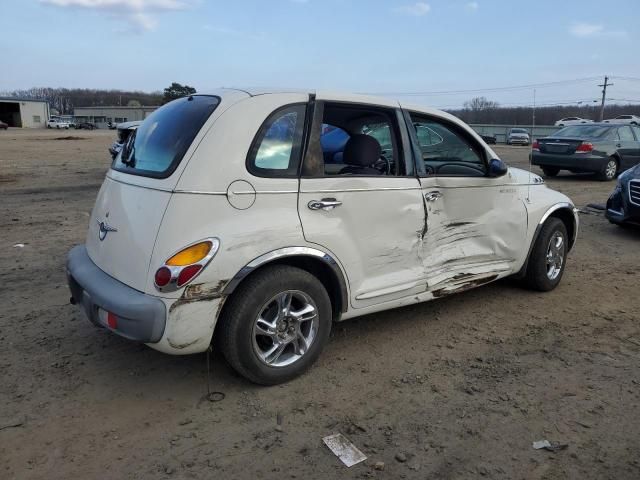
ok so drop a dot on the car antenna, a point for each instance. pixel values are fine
(533, 127)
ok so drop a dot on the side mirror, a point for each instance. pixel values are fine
(497, 168)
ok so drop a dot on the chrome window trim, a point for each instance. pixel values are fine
(291, 252)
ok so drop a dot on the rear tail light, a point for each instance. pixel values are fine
(163, 277)
(585, 147)
(187, 273)
(185, 265)
(535, 146)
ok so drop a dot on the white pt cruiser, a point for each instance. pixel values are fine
(258, 218)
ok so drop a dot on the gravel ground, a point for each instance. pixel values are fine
(456, 388)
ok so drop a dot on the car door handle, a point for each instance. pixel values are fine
(325, 204)
(432, 196)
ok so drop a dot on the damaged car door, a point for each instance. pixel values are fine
(361, 200)
(476, 223)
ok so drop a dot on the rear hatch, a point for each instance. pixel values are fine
(133, 198)
(559, 146)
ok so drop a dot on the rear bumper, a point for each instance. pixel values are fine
(576, 162)
(138, 316)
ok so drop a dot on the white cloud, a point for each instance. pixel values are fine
(472, 6)
(584, 29)
(139, 14)
(417, 9)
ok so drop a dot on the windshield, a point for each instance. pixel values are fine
(157, 146)
(518, 130)
(591, 131)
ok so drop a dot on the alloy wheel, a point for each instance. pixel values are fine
(285, 328)
(555, 255)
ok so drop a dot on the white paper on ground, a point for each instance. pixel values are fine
(344, 449)
(541, 444)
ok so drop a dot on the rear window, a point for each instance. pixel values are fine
(591, 131)
(156, 148)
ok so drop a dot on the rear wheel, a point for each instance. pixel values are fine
(547, 260)
(609, 170)
(276, 324)
(550, 171)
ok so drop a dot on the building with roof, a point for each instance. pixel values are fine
(101, 116)
(24, 112)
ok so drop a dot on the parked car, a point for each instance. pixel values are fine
(623, 205)
(489, 139)
(220, 217)
(625, 119)
(86, 126)
(124, 130)
(599, 148)
(56, 123)
(571, 121)
(518, 136)
(3, 125)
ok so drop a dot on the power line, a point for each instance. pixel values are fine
(494, 89)
(633, 79)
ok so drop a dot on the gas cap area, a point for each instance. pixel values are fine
(241, 194)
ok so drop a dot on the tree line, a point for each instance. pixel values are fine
(480, 110)
(64, 100)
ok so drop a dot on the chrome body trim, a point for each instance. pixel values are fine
(292, 252)
(547, 214)
(198, 192)
(637, 194)
(346, 190)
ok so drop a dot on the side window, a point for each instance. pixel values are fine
(276, 149)
(625, 134)
(636, 130)
(446, 151)
(360, 140)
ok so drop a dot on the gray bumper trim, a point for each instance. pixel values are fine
(140, 317)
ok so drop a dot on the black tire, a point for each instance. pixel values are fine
(537, 277)
(236, 336)
(609, 170)
(550, 171)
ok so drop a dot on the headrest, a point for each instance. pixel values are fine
(362, 150)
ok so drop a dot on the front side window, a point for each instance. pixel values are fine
(277, 146)
(157, 147)
(446, 150)
(636, 130)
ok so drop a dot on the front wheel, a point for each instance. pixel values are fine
(609, 170)
(547, 260)
(276, 324)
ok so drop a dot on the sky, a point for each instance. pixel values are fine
(392, 47)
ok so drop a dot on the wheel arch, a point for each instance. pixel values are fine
(320, 264)
(565, 212)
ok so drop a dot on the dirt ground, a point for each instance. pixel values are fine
(455, 388)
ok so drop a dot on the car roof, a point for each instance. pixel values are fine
(328, 95)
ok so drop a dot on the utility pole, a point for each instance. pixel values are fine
(604, 95)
